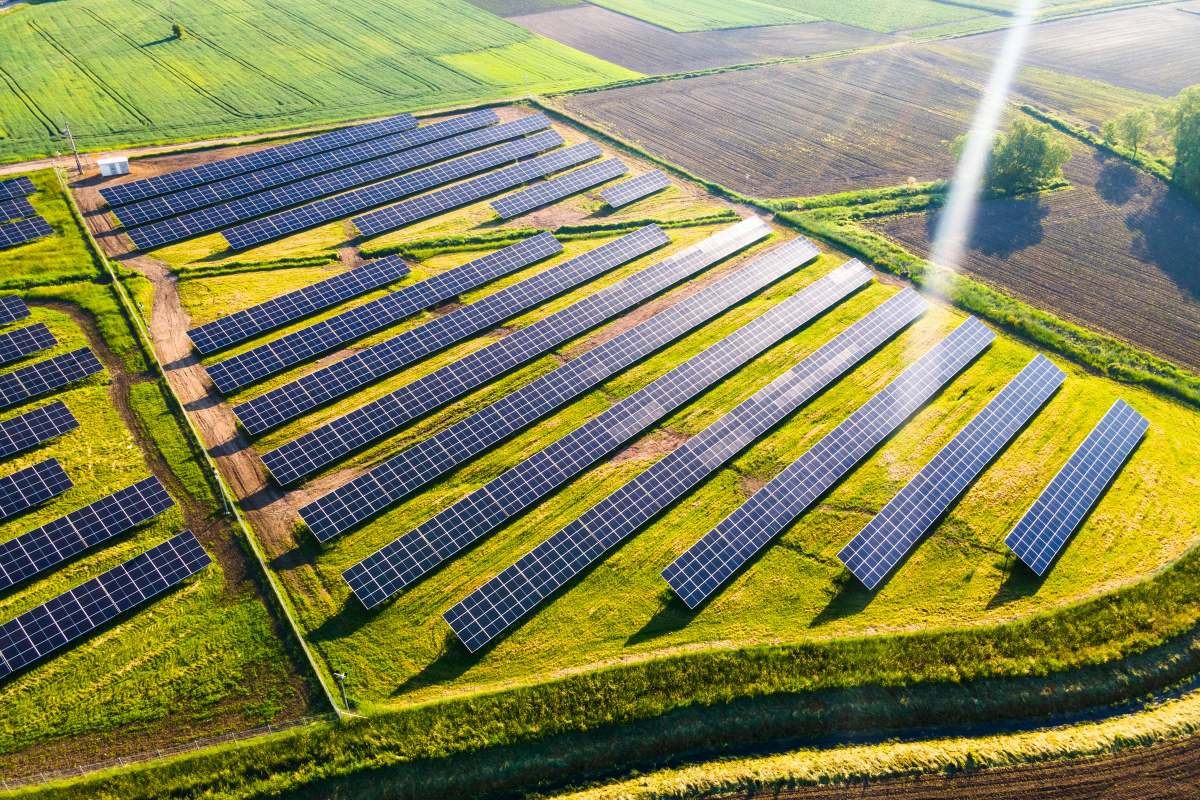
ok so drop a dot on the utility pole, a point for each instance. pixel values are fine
(66, 131)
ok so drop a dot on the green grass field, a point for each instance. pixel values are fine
(885, 16)
(116, 74)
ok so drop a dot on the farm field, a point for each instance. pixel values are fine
(883, 16)
(1113, 252)
(115, 72)
(650, 49)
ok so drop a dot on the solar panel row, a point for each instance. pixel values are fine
(34, 427)
(260, 159)
(502, 601)
(27, 487)
(17, 344)
(467, 192)
(415, 554)
(279, 311)
(22, 231)
(274, 226)
(386, 483)
(55, 542)
(207, 194)
(12, 308)
(16, 187)
(634, 189)
(46, 376)
(241, 209)
(16, 208)
(891, 534)
(1041, 533)
(700, 571)
(555, 189)
(326, 335)
(80, 611)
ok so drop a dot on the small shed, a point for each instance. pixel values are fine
(113, 165)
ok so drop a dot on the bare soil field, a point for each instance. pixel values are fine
(1116, 251)
(1154, 50)
(650, 49)
(796, 130)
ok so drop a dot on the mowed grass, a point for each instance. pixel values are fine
(117, 74)
(59, 258)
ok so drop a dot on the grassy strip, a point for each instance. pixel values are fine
(151, 404)
(1154, 166)
(237, 267)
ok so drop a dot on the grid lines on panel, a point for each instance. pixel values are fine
(555, 189)
(46, 376)
(1043, 530)
(16, 187)
(24, 230)
(17, 344)
(35, 427)
(626, 192)
(261, 159)
(75, 613)
(12, 308)
(502, 601)
(888, 537)
(16, 208)
(236, 212)
(207, 194)
(448, 533)
(299, 346)
(467, 192)
(25, 488)
(55, 542)
(701, 570)
(279, 311)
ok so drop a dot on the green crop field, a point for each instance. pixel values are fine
(885, 16)
(114, 71)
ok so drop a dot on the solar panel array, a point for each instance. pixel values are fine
(891, 534)
(207, 194)
(386, 483)
(556, 189)
(35, 427)
(27, 487)
(17, 344)
(707, 565)
(634, 189)
(22, 231)
(467, 192)
(46, 376)
(261, 159)
(16, 208)
(380, 417)
(12, 308)
(16, 187)
(80, 611)
(279, 311)
(326, 335)
(238, 210)
(448, 533)
(502, 601)
(55, 542)
(1044, 529)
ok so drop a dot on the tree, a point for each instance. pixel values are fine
(1025, 159)
(178, 30)
(1181, 117)
(1133, 128)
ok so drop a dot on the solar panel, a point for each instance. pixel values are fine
(721, 552)
(16, 208)
(12, 308)
(207, 194)
(386, 483)
(22, 231)
(27, 487)
(326, 335)
(634, 189)
(415, 554)
(261, 159)
(275, 313)
(1044, 529)
(387, 414)
(891, 534)
(16, 187)
(467, 192)
(555, 189)
(46, 376)
(232, 212)
(82, 610)
(35, 427)
(56, 542)
(17, 344)
(509, 596)
(284, 223)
